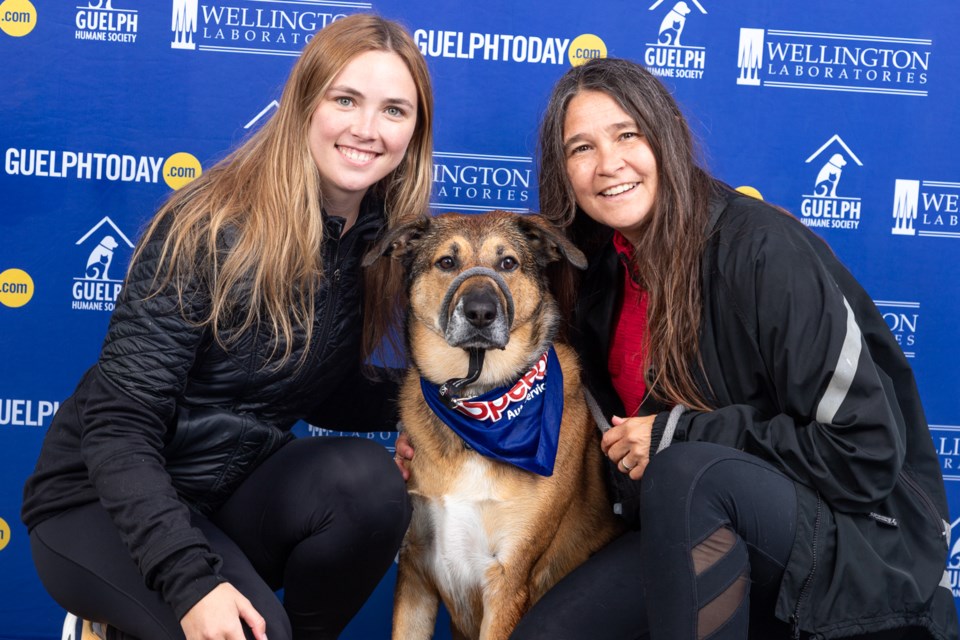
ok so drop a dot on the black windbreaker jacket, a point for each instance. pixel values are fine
(805, 374)
(169, 421)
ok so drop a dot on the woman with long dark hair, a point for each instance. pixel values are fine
(768, 446)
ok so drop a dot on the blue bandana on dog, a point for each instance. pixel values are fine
(519, 425)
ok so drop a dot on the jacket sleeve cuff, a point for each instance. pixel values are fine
(656, 434)
(186, 577)
(664, 428)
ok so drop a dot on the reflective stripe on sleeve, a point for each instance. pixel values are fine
(843, 373)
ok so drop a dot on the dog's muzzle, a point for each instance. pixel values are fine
(477, 319)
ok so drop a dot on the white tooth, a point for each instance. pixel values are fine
(613, 191)
(355, 154)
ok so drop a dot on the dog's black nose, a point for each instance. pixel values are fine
(480, 308)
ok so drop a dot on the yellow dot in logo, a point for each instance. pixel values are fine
(4, 533)
(16, 288)
(750, 191)
(180, 169)
(17, 17)
(584, 48)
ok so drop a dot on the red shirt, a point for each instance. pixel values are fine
(626, 358)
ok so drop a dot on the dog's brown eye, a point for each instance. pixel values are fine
(509, 264)
(446, 263)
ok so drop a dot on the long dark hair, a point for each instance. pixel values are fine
(671, 238)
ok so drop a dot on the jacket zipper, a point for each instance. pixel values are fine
(927, 502)
(913, 486)
(813, 569)
(358, 229)
(331, 297)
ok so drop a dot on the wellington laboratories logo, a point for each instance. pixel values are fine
(926, 208)
(671, 56)
(385, 438)
(826, 206)
(278, 27)
(901, 318)
(101, 21)
(474, 182)
(833, 62)
(946, 439)
(102, 272)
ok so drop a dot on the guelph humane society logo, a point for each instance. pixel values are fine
(102, 273)
(671, 56)
(953, 560)
(826, 206)
(100, 21)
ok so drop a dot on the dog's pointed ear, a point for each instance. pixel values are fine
(398, 243)
(548, 242)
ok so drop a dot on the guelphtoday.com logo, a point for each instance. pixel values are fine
(17, 17)
(23, 412)
(4, 534)
(16, 288)
(509, 47)
(175, 170)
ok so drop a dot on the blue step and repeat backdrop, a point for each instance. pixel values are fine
(843, 113)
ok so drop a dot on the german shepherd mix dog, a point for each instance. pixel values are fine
(507, 482)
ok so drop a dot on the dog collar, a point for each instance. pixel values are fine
(519, 424)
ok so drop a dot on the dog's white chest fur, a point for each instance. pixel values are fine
(465, 543)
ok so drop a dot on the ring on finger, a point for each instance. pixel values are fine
(623, 463)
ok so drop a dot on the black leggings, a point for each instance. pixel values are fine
(322, 519)
(717, 529)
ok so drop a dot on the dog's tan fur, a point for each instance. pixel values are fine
(487, 538)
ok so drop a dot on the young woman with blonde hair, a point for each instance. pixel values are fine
(170, 499)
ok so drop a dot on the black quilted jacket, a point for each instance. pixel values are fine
(168, 420)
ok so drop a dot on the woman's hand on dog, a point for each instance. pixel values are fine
(403, 455)
(627, 444)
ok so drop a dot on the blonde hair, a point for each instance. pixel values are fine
(266, 194)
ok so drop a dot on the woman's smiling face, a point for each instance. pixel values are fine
(360, 131)
(610, 165)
